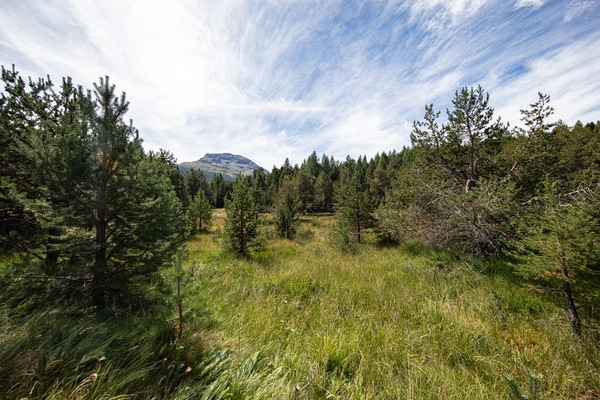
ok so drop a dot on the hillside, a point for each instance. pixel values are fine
(230, 165)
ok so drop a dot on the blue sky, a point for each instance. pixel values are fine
(273, 79)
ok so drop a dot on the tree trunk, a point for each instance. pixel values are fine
(52, 254)
(572, 310)
(98, 290)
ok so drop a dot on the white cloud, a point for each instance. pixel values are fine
(570, 75)
(535, 4)
(279, 79)
(576, 8)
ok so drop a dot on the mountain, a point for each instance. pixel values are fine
(230, 165)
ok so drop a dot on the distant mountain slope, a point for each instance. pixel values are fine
(230, 165)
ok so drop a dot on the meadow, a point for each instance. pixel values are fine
(301, 319)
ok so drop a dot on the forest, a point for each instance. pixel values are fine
(464, 266)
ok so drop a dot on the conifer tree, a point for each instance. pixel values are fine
(219, 189)
(241, 223)
(201, 212)
(558, 243)
(355, 208)
(111, 209)
(323, 192)
(286, 219)
(196, 180)
(304, 186)
(457, 146)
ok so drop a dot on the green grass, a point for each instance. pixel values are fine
(303, 320)
(405, 322)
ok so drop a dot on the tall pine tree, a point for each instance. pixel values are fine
(111, 210)
(241, 223)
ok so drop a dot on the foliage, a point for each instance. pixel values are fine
(458, 147)
(109, 212)
(304, 186)
(241, 224)
(558, 245)
(219, 189)
(286, 219)
(196, 180)
(354, 208)
(324, 192)
(201, 212)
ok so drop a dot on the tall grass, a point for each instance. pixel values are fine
(405, 322)
(304, 320)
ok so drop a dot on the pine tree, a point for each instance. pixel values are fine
(324, 192)
(304, 186)
(196, 180)
(558, 243)
(201, 212)
(241, 223)
(355, 208)
(219, 189)
(457, 146)
(110, 209)
(286, 219)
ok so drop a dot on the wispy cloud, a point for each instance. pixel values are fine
(576, 8)
(529, 3)
(277, 79)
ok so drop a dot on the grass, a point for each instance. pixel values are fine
(404, 322)
(303, 320)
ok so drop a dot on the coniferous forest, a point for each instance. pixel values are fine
(464, 266)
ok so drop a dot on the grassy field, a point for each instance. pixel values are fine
(304, 320)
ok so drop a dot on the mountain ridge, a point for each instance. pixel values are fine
(228, 164)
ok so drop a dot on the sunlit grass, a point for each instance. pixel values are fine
(405, 322)
(302, 320)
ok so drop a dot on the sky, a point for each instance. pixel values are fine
(277, 79)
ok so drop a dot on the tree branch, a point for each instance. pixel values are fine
(62, 278)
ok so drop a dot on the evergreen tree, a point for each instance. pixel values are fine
(110, 209)
(286, 219)
(355, 208)
(311, 166)
(19, 228)
(324, 193)
(457, 146)
(325, 164)
(558, 243)
(201, 212)
(219, 189)
(259, 189)
(241, 223)
(196, 180)
(305, 191)
(379, 183)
